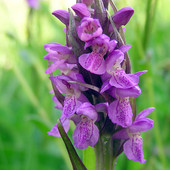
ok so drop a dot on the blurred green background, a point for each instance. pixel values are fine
(26, 109)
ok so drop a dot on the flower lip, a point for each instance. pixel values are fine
(133, 148)
(93, 62)
(85, 134)
(120, 112)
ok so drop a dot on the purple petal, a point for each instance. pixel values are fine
(76, 119)
(85, 134)
(49, 45)
(58, 104)
(81, 10)
(141, 125)
(62, 15)
(61, 83)
(144, 113)
(57, 56)
(79, 78)
(88, 44)
(140, 73)
(133, 149)
(124, 29)
(131, 92)
(87, 109)
(125, 48)
(120, 112)
(93, 62)
(65, 30)
(100, 44)
(55, 132)
(61, 49)
(112, 57)
(122, 80)
(82, 99)
(51, 91)
(71, 59)
(89, 28)
(53, 56)
(123, 16)
(102, 107)
(121, 134)
(112, 92)
(66, 68)
(105, 86)
(54, 66)
(112, 45)
(70, 106)
(105, 76)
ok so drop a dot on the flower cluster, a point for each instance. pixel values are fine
(96, 79)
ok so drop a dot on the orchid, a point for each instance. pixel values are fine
(97, 83)
(133, 145)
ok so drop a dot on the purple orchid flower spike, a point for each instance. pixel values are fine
(86, 132)
(81, 10)
(89, 28)
(59, 55)
(98, 90)
(62, 15)
(133, 146)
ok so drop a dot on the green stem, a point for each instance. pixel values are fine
(99, 155)
(104, 153)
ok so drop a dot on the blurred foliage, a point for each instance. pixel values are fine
(26, 109)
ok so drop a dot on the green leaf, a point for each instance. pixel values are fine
(75, 160)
